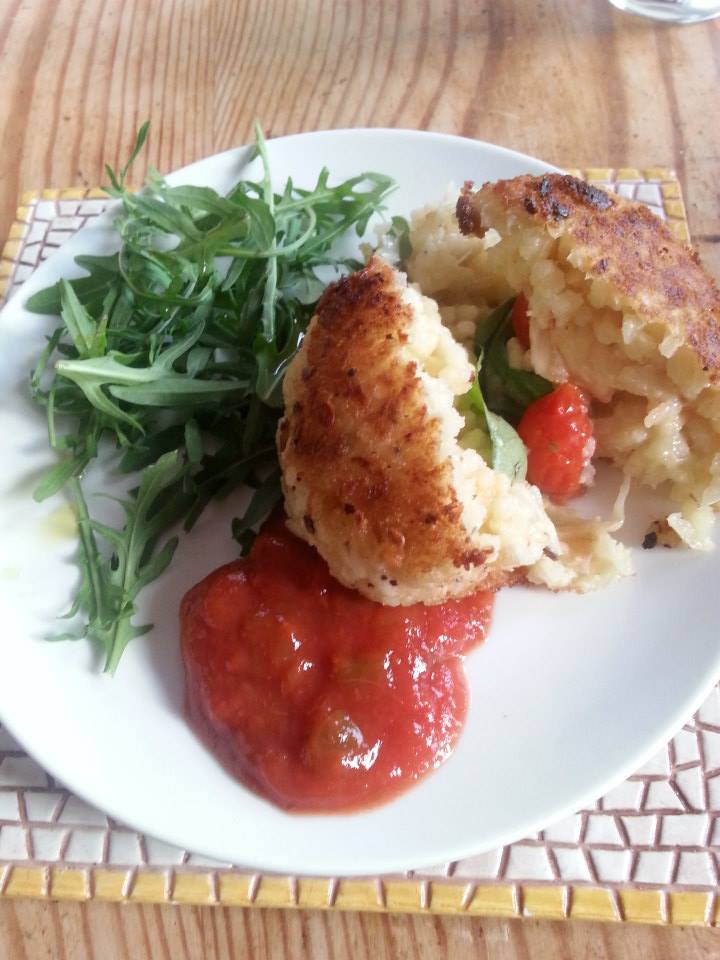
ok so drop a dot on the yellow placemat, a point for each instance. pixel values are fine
(646, 852)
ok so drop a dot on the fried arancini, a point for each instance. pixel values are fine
(623, 309)
(373, 475)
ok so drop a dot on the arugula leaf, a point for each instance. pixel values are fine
(56, 478)
(87, 336)
(507, 451)
(193, 441)
(139, 142)
(178, 391)
(266, 495)
(507, 392)
(173, 351)
(90, 291)
(111, 583)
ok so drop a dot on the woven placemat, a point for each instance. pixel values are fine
(647, 851)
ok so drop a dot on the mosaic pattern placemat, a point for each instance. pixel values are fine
(647, 851)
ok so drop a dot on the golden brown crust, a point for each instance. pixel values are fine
(468, 213)
(620, 241)
(358, 443)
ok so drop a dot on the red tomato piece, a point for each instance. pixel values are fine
(520, 320)
(557, 431)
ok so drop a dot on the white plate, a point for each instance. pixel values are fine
(569, 695)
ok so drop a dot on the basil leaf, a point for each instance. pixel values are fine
(507, 451)
(507, 392)
(489, 326)
(400, 231)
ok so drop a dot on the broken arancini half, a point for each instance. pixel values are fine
(373, 474)
(617, 306)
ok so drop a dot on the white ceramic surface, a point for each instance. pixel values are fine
(570, 694)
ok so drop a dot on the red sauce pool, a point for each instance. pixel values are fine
(316, 697)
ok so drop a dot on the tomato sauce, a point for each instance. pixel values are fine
(317, 698)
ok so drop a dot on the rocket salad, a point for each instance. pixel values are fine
(168, 359)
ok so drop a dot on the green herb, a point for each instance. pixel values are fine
(169, 359)
(507, 392)
(400, 233)
(111, 582)
(264, 498)
(507, 453)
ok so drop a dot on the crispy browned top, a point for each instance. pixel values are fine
(619, 240)
(358, 433)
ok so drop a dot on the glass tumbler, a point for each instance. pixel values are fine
(671, 11)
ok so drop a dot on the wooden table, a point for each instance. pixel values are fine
(571, 81)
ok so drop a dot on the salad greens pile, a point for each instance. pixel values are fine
(169, 358)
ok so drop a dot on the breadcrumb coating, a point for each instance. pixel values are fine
(373, 475)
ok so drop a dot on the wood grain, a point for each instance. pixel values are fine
(96, 931)
(576, 83)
